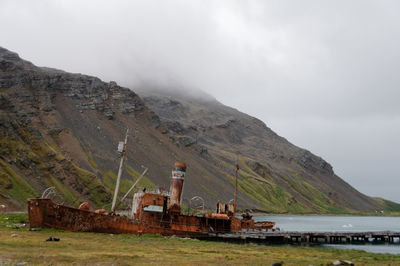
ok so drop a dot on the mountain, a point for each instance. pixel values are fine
(62, 130)
(275, 172)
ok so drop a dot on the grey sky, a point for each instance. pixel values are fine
(323, 74)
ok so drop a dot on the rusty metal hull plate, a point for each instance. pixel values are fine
(46, 213)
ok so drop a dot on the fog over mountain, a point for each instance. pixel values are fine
(323, 74)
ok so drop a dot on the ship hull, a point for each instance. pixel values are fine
(46, 213)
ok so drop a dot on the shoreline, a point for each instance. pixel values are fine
(21, 245)
(324, 214)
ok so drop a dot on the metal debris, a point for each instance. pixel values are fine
(157, 212)
(56, 239)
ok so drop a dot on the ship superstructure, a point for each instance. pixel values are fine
(156, 212)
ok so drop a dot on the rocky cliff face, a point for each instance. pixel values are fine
(300, 180)
(61, 129)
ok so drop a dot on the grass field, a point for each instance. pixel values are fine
(20, 246)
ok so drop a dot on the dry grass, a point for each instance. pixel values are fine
(100, 249)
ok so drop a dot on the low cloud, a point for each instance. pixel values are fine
(321, 73)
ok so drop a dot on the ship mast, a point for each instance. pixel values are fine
(123, 151)
(236, 184)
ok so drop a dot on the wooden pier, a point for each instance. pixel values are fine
(286, 237)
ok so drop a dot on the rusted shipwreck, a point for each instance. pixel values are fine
(156, 212)
(152, 212)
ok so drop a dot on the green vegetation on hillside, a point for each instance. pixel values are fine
(68, 197)
(38, 159)
(110, 179)
(388, 206)
(274, 198)
(14, 186)
(145, 182)
(89, 155)
(91, 182)
(56, 129)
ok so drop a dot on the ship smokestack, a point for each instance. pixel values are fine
(178, 176)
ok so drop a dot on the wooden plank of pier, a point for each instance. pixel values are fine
(310, 237)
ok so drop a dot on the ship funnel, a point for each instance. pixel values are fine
(178, 176)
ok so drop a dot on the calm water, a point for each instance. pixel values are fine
(340, 223)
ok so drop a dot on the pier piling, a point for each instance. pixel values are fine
(312, 237)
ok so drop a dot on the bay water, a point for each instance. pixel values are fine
(318, 223)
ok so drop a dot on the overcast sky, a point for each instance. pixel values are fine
(323, 74)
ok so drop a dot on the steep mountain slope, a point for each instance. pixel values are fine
(273, 167)
(61, 129)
